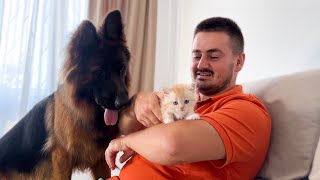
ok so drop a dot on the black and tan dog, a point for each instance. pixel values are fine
(71, 128)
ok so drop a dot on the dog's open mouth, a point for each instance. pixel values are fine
(110, 115)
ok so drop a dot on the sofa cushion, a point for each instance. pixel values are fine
(293, 102)
(315, 170)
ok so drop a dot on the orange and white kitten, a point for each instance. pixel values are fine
(178, 103)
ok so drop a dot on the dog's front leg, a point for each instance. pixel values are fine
(61, 165)
(101, 170)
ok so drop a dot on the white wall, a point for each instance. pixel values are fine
(167, 30)
(280, 36)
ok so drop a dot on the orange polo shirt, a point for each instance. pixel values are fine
(244, 126)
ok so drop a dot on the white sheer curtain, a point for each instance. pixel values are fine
(33, 36)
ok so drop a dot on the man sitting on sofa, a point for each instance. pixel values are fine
(230, 140)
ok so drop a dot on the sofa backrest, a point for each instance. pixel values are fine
(293, 102)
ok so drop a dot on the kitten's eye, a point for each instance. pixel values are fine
(175, 103)
(186, 101)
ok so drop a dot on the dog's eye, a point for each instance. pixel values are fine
(123, 69)
(97, 73)
(186, 101)
(101, 73)
(175, 102)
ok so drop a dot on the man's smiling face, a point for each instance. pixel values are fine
(213, 62)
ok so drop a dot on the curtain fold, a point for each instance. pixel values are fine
(140, 20)
(96, 11)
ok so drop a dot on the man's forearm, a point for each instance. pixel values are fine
(178, 142)
(128, 122)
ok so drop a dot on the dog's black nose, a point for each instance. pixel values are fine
(122, 101)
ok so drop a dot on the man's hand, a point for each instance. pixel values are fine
(114, 147)
(143, 112)
(147, 108)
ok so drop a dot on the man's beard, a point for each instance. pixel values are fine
(209, 89)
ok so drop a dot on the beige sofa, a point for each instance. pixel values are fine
(294, 104)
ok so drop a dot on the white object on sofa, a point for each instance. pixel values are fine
(293, 102)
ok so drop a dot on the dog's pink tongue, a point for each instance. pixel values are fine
(110, 117)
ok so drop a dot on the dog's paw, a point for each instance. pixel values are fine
(193, 116)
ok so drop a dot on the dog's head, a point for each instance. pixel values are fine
(97, 65)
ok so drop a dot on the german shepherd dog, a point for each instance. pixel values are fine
(71, 128)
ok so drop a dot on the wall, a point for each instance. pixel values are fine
(280, 36)
(167, 30)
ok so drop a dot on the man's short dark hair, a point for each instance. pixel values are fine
(221, 24)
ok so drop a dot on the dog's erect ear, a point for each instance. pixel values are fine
(82, 45)
(83, 40)
(112, 27)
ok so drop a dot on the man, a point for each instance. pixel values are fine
(230, 140)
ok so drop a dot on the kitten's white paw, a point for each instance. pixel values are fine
(168, 120)
(193, 116)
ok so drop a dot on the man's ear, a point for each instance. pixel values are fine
(112, 28)
(240, 62)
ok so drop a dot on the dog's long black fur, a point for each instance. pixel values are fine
(67, 130)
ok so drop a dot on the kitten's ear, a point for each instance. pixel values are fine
(192, 87)
(166, 91)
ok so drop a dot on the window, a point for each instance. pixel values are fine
(33, 37)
